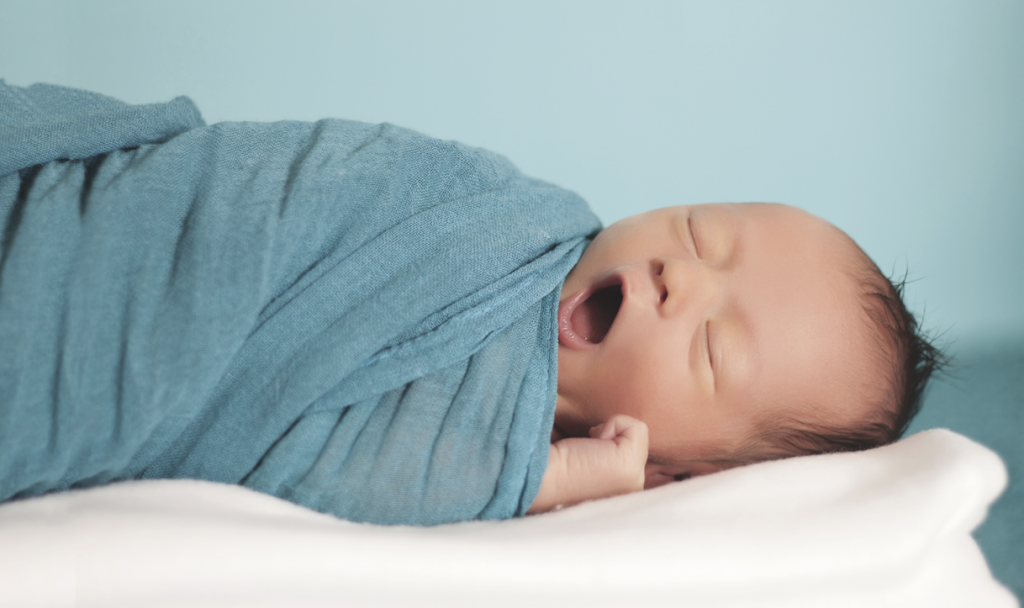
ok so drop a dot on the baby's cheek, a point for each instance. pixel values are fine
(734, 371)
(624, 386)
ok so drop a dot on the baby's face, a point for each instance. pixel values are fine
(729, 314)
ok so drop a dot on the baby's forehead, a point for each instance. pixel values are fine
(779, 214)
(791, 225)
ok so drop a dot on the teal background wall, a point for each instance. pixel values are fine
(901, 122)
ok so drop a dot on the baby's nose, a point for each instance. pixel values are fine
(681, 284)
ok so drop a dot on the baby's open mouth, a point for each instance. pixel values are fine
(594, 316)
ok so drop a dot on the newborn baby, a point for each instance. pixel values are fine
(694, 339)
(367, 321)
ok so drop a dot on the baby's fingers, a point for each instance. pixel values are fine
(622, 426)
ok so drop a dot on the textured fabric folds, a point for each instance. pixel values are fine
(357, 318)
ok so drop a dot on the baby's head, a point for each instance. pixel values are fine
(738, 333)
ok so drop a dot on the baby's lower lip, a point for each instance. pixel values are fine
(566, 333)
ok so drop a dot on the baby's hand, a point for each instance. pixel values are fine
(610, 462)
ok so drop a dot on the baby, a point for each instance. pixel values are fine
(695, 339)
(362, 320)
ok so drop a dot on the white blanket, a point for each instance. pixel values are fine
(888, 527)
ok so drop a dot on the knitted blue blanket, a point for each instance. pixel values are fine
(356, 318)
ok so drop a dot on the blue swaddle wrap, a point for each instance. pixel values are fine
(354, 317)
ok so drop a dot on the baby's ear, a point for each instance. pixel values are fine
(653, 480)
(659, 474)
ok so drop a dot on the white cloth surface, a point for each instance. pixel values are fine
(887, 527)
